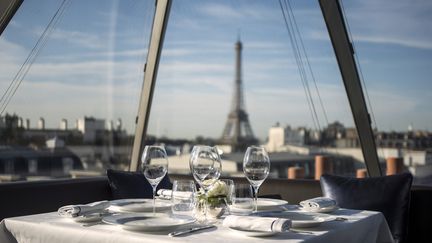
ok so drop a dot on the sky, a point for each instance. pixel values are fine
(92, 64)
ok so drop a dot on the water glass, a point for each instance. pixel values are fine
(241, 200)
(183, 198)
(229, 189)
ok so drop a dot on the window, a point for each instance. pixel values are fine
(394, 53)
(232, 75)
(70, 78)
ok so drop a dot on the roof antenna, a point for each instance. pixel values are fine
(238, 34)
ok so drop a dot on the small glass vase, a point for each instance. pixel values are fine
(216, 207)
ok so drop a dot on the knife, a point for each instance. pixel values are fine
(189, 230)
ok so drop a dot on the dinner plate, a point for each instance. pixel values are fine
(269, 204)
(252, 233)
(320, 210)
(301, 219)
(147, 222)
(138, 205)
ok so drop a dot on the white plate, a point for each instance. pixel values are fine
(320, 210)
(253, 233)
(301, 219)
(138, 205)
(147, 222)
(269, 204)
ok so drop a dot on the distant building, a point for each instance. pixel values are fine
(281, 136)
(90, 127)
(409, 139)
(347, 139)
(26, 161)
(331, 133)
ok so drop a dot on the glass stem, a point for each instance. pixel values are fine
(205, 206)
(154, 200)
(256, 197)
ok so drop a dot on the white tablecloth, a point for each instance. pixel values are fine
(361, 226)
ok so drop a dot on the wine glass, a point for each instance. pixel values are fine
(154, 165)
(206, 166)
(256, 167)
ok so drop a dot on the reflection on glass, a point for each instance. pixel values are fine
(70, 87)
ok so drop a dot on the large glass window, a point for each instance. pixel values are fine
(70, 79)
(393, 42)
(241, 73)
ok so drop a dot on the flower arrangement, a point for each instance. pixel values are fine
(216, 198)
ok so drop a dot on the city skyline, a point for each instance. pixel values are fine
(198, 64)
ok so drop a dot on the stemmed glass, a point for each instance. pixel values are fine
(206, 166)
(154, 165)
(256, 167)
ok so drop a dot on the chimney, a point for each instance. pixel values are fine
(119, 124)
(20, 122)
(323, 165)
(296, 172)
(27, 124)
(63, 124)
(41, 124)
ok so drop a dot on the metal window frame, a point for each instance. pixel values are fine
(160, 22)
(7, 11)
(344, 52)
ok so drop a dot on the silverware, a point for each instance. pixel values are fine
(300, 231)
(340, 219)
(91, 224)
(189, 230)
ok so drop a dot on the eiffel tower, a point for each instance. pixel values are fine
(238, 132)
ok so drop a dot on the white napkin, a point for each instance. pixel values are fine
(167, 194)
(164, 193)
(317, 203)
(81, 209)
(255, 223)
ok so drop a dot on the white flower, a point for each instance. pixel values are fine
(219, 188)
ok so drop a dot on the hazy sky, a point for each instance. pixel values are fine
(92, 63)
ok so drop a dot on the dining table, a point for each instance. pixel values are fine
(355, 226)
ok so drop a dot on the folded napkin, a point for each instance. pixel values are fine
(255, 223)
(82, 210)
(167, 194)
(317, 203)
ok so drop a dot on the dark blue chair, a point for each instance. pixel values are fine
(389, 195)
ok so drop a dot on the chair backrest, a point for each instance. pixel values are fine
(389, 195)
(24, 198)
(125, 184)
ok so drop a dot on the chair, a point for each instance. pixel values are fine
(389, 195)
(125, 184)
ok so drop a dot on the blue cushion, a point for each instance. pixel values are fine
(389, 195)
(126, 184)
